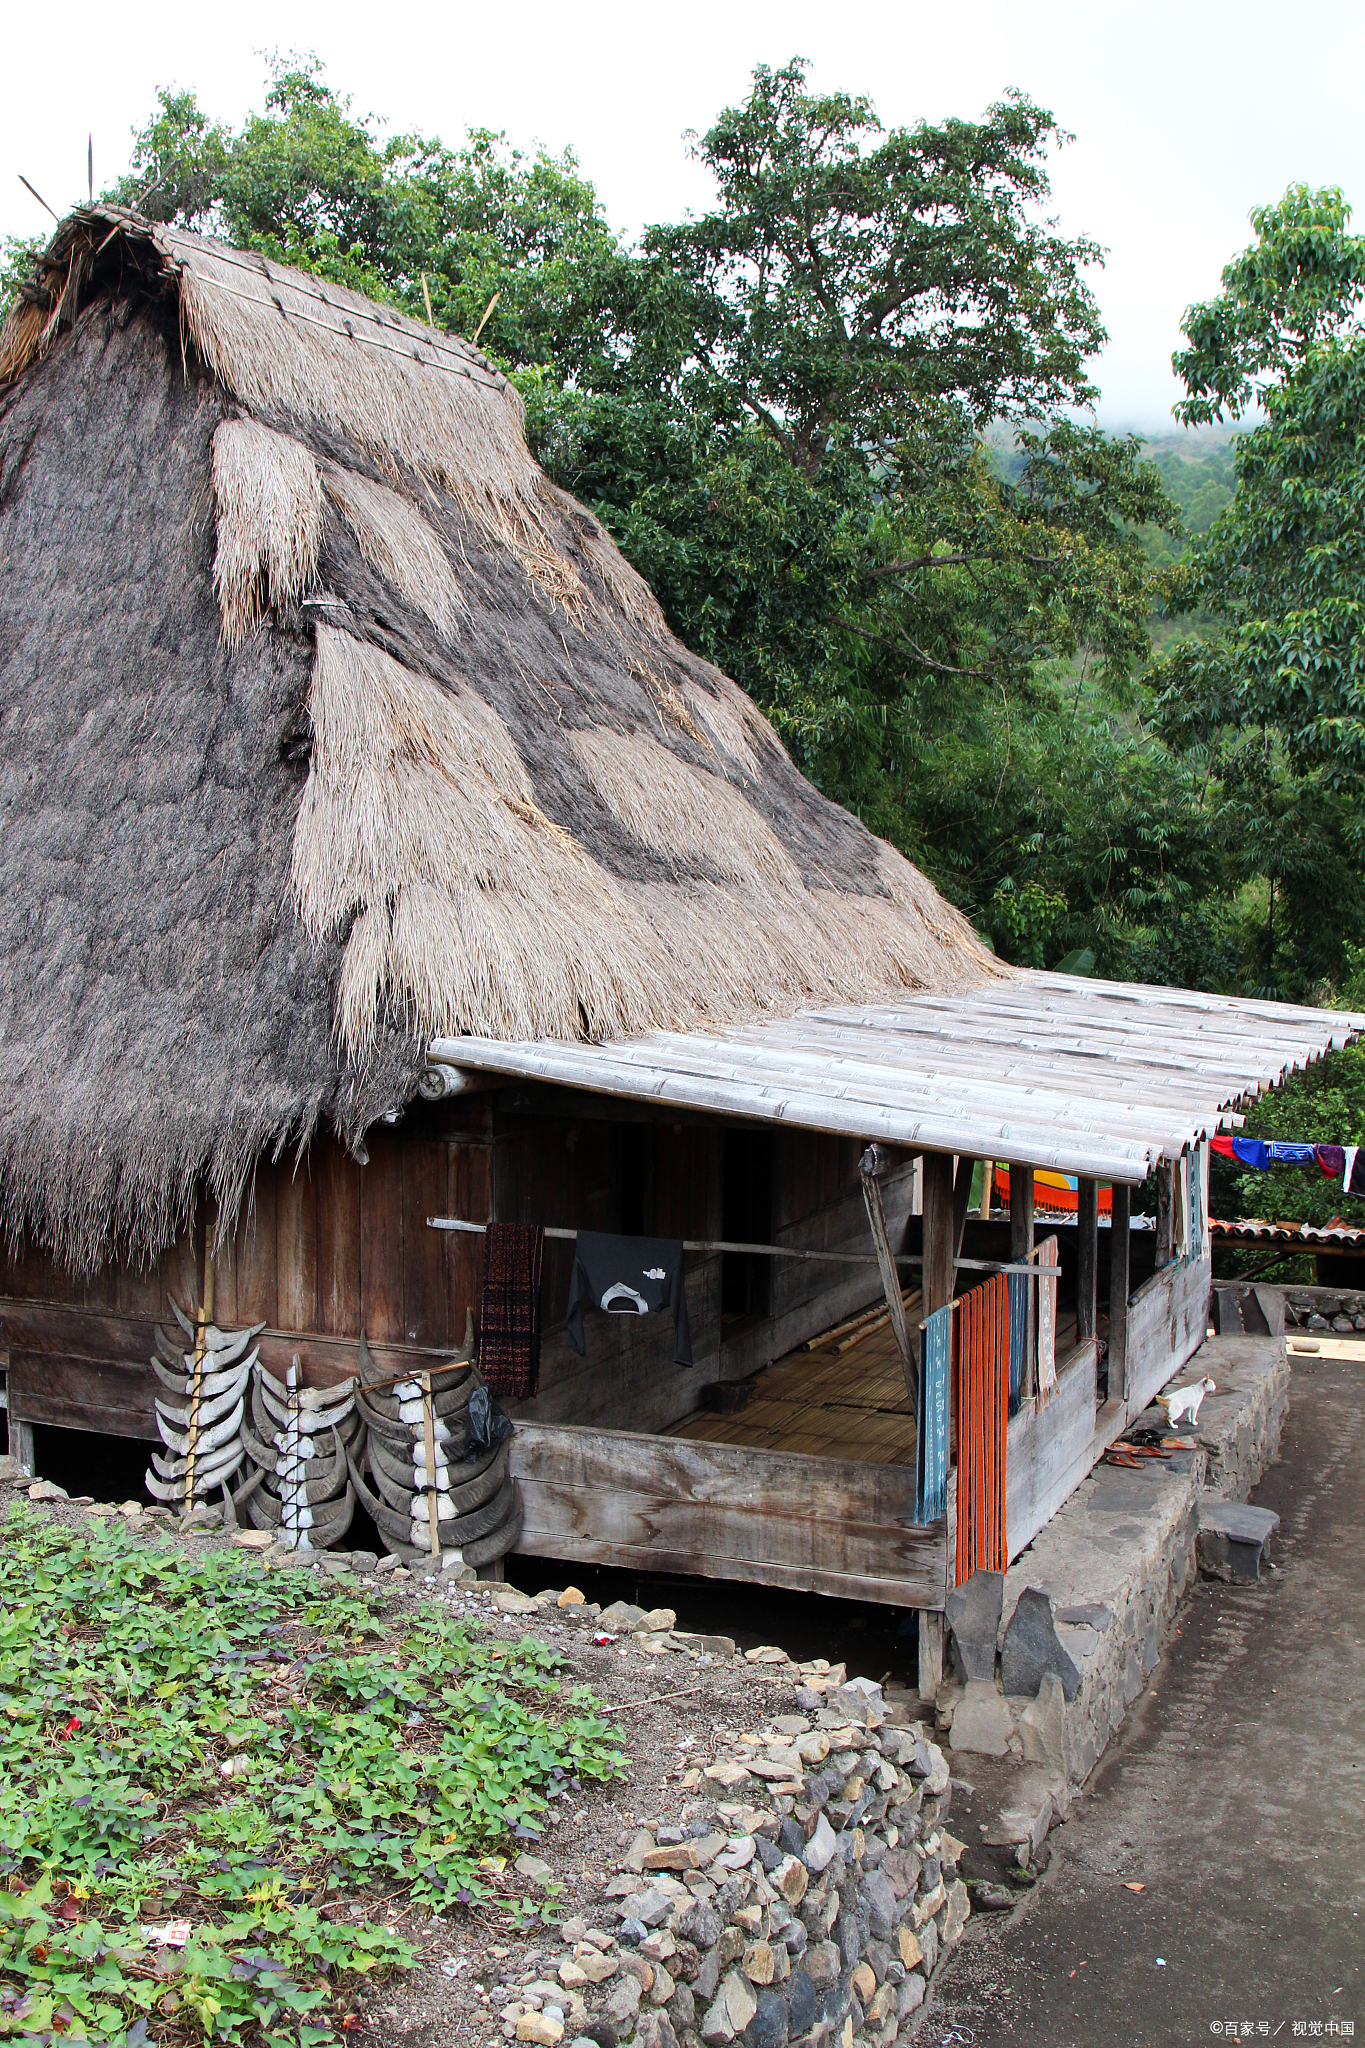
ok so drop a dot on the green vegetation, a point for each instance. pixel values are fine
(191, 1737)
(1272, 700)
(838, 422)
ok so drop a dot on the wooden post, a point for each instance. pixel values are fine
(1021, 1249)
(1118, 1294)
(872, 1163)
(930, 1653)
(21, 1441)
(429, 1436)
(940, 1258)
(940, 1231)
(205, 1317)
(987, 1180)
(1087, 1246)
(1165, 1204)
(962, 1195)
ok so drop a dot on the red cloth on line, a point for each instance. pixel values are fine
(983, 1392)
(509, 1319)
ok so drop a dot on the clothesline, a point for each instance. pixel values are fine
(771, 1251)
(1344, 1162)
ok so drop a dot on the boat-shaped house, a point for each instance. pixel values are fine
(375, 858)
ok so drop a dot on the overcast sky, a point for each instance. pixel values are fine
(1185, 115)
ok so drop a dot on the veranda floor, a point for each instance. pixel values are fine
(825, 1402)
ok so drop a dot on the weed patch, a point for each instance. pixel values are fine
(189, 1738)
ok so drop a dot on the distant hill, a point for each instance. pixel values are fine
(1196, 466)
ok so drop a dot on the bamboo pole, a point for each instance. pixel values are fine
(205, 1317)
(771, 1251)
(429, 1432)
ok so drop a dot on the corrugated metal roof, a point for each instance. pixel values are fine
(1098, 1078)
(1253, 1230)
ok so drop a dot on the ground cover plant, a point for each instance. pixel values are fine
(264, 1754)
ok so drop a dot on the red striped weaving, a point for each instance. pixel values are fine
(983, 1395)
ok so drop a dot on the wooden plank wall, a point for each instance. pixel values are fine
(325, 1249)
(1168, 1319)
(667, 1504)
(818, 1205)
(572, 1174)
(1048, 1453)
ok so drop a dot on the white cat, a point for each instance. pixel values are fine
(1185, 1401)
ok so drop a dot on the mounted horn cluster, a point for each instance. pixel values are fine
(202, 1427)
(300, 1488)
(435, 1458)
(426, 1454)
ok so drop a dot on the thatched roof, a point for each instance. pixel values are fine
(331, 724)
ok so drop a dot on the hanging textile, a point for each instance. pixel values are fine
(1019, 1284)
(983, 1345)
(633, 1276)
(509, 1319)
(931, 1443)
(1196, 1205)
(1047, 1255)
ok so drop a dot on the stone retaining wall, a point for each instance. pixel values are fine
(804, 1893)
(1116, 1561)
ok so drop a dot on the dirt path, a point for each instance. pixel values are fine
(1235, 1797)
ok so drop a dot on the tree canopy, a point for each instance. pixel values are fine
(843, 423)
(1272, 699)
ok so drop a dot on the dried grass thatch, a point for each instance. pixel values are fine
(331, 724)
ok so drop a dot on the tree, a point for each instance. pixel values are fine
(309, 184)
(835, 423)
(1274, 700)
(789, 444)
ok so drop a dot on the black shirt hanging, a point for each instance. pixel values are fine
(629, 1276)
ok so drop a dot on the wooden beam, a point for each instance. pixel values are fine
(726, 1511)
(1021, 1248)
(940, 1231)
(21, 1443)
(872, 1163)
(930, 1654)
(1165, 1212)
(1118, 1293)
(940, 1264)
(1087, 1244)
(962, 1194)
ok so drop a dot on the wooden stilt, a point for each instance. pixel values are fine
(1118, 1295)
(1165, 1211)
(962, 1195)
(1021, 1248)
(429, 1444)
(872, 1163)
(930, 1653)
(21, 1442)
(1087, 1244)
(940, 1262)
(940, 1231)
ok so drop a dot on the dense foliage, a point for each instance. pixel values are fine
(1272, 699)
(839, 422)
(778, 409)
(192, 1737)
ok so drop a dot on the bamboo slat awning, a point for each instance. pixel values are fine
(1095, 1078)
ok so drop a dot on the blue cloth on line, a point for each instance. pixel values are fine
(1019, 1287)
(931, 1450)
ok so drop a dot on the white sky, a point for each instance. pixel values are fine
(1185, 115)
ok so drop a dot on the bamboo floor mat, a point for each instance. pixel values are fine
(850, 1405)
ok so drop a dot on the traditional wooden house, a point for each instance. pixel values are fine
(375, 859)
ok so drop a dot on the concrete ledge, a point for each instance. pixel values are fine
(1117, 1558)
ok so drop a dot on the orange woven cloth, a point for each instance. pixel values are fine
(982, 1374)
